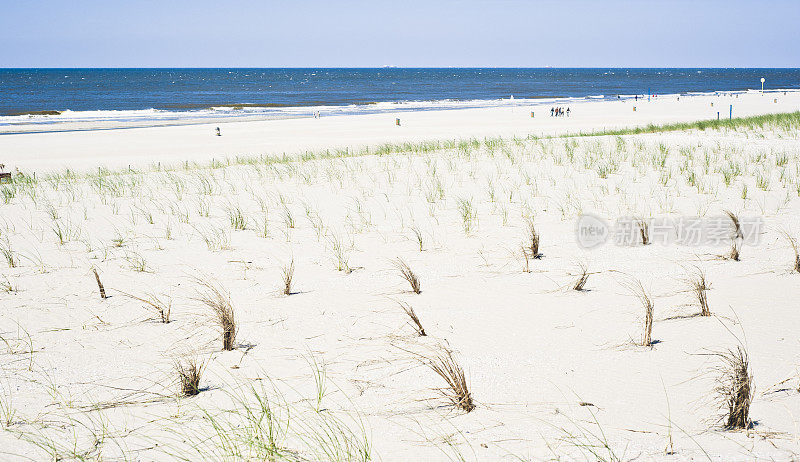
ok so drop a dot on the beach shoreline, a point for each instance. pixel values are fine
(100, 144)
(53, 121)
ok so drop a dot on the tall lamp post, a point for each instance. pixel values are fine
(762, 85)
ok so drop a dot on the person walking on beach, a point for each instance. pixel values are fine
(567, 112)
(552, 110)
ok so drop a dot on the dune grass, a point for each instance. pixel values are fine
(287, 273)
(785, 121)
(189, 373)
(160, 307)
(99, 284)
(412, 315)
(457, 390)
(699, 288)
(795, 251)
(636, 288)
(531, 247)
(218, 300)
(735, 388)
(736, 237)
(408, 274)
(583, 278)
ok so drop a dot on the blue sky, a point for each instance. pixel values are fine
(312, 33)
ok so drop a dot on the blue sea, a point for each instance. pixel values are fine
(35, 95)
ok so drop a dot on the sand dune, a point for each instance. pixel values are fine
(337, 369)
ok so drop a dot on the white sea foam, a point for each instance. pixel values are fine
(246, 111)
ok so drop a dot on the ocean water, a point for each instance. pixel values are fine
(171, 94)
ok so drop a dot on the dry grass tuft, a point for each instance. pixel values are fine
(532, 246)
(637, 289)
(457, 390)
(408, 275)
(733, 254)
(216, 298)
(418, 237)
(736, 237)
(735, 388)
(161, 308)
(288, 275)
(526, 259)
(189, 374)
(644, 231)
(414, 319)
(699, 286)
(793, 243)
(582, 278)
(737, 227)
(99, 284)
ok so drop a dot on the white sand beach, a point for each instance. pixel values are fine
(336, 369)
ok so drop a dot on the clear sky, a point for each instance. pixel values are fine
(407, 33)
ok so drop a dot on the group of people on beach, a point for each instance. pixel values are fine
(558, 112)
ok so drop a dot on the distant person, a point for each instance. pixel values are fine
(567, 112)
(552, 111)
(636, 97)
(218, 132)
